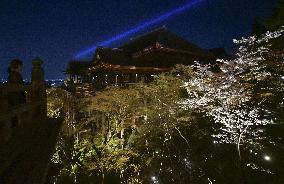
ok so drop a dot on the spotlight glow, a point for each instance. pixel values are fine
(141, 26)
(267, 158)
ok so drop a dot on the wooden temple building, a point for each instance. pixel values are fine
(140, 59)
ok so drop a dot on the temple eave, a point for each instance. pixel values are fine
(129, 69)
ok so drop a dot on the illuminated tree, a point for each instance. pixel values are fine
(113, 114)
(230, 97)
(182, 127)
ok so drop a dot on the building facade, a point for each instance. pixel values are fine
(140, 59)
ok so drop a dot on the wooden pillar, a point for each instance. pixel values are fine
(4, 100)
(116, 76)
(136, 78)
(106, 80)
(5, 123)
(38, 92)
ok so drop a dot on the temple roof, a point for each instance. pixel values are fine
(77, 67)
(219, 53)
(165, 38)
(159, 48)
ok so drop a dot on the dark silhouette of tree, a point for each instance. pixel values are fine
(277, 19)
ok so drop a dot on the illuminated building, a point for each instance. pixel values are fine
(140, 59)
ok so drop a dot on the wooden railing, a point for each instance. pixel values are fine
(24, 114)
(26, 146)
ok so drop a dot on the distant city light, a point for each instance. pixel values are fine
(140, 27)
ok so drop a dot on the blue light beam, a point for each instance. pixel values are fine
(140, 27)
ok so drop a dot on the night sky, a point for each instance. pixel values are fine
(56, 30)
